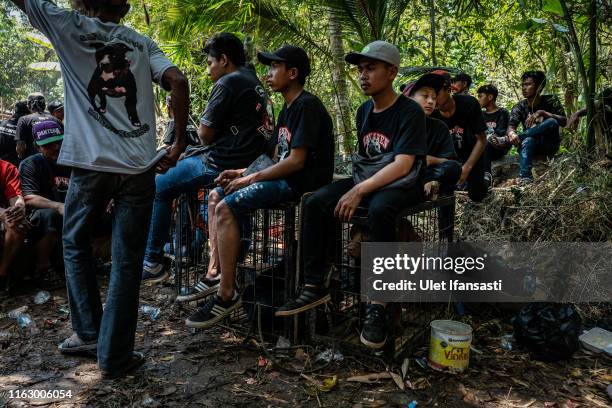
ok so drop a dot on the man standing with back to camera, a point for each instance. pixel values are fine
(110, 142)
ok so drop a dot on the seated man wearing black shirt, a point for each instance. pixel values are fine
(496, 119)
(44, 184)
(303, 143)
(169, 134)
(541, 116)
(391, 129)
(25, 144)
(463, 116)
(442, 170)
(8, 130)
(235, 129)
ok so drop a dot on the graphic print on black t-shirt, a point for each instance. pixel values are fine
(306, 124)
(113, 78)
(497, 122)
(284, 141)
(465, 124)
(400, 128)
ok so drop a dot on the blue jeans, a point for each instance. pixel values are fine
(188, 176)
(541, 139)
(86, 201)
(264, 194)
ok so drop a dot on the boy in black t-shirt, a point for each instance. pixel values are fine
(234, 130)
(304, 148)
(496, 119)
(442, 170)
(387, 124)
(44, 184)
(463, 116)
(542, 116)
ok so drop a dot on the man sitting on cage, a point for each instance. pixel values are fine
(303, 146)
(234, 130)
(443, 170)
(391, 136)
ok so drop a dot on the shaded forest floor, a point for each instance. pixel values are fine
(217, 368)
(220, 368)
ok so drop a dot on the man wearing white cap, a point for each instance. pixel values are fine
(391, 129)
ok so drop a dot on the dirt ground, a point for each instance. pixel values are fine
(217, 368)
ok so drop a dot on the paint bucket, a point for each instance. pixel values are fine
(449, 346)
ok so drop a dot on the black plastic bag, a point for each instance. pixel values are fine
(548, 330)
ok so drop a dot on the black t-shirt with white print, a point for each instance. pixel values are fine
(306, 123)
(43, 178)
(400, 129)
(8, 130)
(464, 124)
(240, 112)
(497, 122)
(439, 141)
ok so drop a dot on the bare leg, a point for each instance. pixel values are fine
(213, 264)
(13, 240)
(228, 243)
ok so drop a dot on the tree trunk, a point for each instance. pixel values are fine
(575, 45)
(341, 99)
(592, 73)
(432, 26)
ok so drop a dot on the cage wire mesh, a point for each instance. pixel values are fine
(266, 264)
(338, 323)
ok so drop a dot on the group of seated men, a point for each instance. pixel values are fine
(428, 139)
(33, 185)
(431, 138)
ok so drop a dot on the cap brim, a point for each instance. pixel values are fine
(50, 140)
(267, 58)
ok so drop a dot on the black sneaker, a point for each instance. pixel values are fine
(154, 273)
(201, 289)
(374, 332)
(213, 311)
(308, 298)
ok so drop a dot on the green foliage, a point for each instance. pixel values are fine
(16, 54)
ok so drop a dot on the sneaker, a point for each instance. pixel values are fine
(154, 273)
(136, 360)
(374, 332)
(75, 345)
(201, 289)
(308, 298)
(524, 181)
(214, 310)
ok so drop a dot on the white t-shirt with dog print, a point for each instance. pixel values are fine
(108, 70)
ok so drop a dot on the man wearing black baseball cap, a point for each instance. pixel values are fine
(442, 170)
(303, 149)
(56, 108)
(390, 130)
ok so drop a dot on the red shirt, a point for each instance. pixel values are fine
(10, 186)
